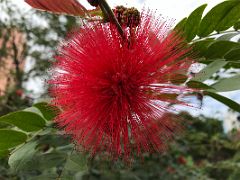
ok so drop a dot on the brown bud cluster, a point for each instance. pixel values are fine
(129, 17)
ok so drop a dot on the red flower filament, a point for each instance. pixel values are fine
(114, 92)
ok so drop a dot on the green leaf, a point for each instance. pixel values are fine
(3, 153)
(235, 174)
(11, 138)
(4, 125)
(219, 49)
(228, 102)
(34, 110)
(198, 85)
(230, 19)
(54, 159)
(233, 55)
(54, 140)
(215, 16)
(227, 84)
(201, 47)
(49, 176)
(36, 161)
(237, 25)
(49, 112)
(22, 156)
(227, 37)
(180, 26)
(208, 71)
(27, 121)
(192, 23)
(76, 162)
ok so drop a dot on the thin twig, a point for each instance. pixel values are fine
(107, 9)
(16, 63)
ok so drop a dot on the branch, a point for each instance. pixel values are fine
(106, 9)
(16, 62)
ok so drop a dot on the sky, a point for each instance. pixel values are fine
(175, 9)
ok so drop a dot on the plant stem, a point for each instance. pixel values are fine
(105, 14)
(107, 9)
(17, 64)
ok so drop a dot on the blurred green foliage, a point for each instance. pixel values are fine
(203, 151)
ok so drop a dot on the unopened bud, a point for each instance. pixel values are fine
(129, 17)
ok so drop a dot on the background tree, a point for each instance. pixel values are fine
(40, 32)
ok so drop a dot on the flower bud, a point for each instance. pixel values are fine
(129, 17)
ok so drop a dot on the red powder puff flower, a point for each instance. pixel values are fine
(114, 91)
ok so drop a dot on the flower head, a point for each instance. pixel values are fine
(115, 92)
